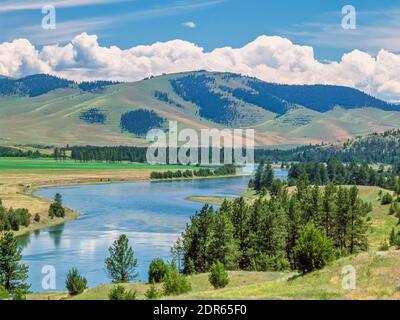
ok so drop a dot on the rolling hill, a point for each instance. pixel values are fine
(47, 110)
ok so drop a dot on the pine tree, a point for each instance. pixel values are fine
(13, 275)
(267, 177)
(329, 208)
(223, 247)
(258, 176)
(294, 223)
(341, 218)
(313, 250)
(273, 239)
(197, 239)
(357, 224)
(240, 216)
(121, 264)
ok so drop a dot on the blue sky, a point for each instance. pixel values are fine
(209, 23)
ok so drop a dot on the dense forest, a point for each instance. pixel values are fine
(39, 84)
(212, 105)
(373, 148)
(321, 98)
(140, 121)
(215, 101)
(271, 233)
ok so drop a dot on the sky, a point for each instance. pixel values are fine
(193, 34)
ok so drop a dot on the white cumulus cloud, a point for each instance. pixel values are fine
(273, 59)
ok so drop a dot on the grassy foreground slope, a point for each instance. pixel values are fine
(377, 275)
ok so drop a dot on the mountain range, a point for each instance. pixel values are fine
(47, 110)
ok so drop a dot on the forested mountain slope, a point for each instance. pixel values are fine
(43, 109)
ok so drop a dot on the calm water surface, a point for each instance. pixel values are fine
(152, 215)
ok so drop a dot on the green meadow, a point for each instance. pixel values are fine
(51, 164)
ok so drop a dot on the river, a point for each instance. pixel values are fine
(151, 214)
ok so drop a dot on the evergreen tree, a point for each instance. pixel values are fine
(13, 275)
(267, 177)
(75, 283)
(329, 209)
(358, 223)
(240, 216)
(197, 239)
(313, 250)
(258, 176)
(121, 264)
(223, 247)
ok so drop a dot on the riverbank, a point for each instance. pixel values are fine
(20, 178)
(17, 190)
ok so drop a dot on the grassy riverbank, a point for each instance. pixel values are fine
(21, 177)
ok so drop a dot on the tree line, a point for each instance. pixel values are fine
(225, 170)
(18, 153)
(340, 174)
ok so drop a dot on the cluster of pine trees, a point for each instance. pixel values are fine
(263, 235)
(11, 219)
(338, 173)
(263, 178)
(108, 154)
(94, 116)
(140, 121)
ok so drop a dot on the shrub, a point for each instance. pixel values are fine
(37, 218)
(75, 283)
(157, 271)
(119, 293)
(4, 293)
(384, 246)
(387, 199)
(218, 276)
(56, 210)
(394, 239)
(176, 283)
(313, 250)
(153, 293)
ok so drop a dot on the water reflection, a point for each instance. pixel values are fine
(55, 233)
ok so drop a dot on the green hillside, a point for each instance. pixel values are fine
(91, 113)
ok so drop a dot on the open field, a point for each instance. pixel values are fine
(20, 177)
(377, 275)
(51, 164)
